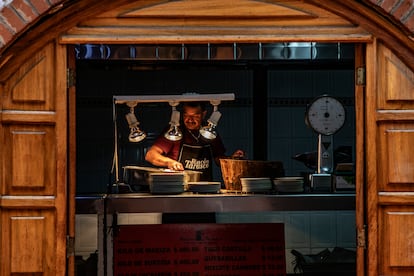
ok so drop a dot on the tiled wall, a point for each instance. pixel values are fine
(288, 93)
(86, 234)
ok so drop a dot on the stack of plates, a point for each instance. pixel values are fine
(288, 184)
(166, 183)
(204, 187)
(256, 184)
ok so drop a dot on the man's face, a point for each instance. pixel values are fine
(193, 117)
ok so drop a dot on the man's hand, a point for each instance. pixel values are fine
(175, 165)
(238, 154)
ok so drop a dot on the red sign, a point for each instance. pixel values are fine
(200, 249)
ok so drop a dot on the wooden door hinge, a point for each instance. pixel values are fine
(360, 77)
(70, 246)
(362, 237)
(70, 78)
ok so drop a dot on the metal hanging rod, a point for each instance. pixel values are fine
(187, 97)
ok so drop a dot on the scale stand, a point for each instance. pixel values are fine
(325, 115)
(322, 180)
(325, 153)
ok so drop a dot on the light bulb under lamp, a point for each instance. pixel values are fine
(136, 135)
(209, 131)
(174, 133)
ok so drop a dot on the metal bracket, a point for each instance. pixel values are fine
(361, 237)
(70, 246)
(360, 76)
(70, 78)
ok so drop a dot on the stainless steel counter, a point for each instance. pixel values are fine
(200, 203)
(90, 204)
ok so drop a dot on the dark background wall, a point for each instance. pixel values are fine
(266, 119)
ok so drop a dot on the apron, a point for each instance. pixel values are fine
(197, 158)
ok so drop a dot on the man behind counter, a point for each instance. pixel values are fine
(193, 152)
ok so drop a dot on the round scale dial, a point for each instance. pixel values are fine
(325, 115)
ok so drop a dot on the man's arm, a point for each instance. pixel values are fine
(155, 156)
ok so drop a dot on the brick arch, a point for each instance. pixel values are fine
(18, 15)
(401, 12)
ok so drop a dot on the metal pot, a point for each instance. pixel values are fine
(192, 176)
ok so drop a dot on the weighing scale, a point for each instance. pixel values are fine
(326, 116)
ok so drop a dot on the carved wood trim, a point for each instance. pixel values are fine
(215, 21)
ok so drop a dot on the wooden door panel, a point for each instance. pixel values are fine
(33, 121)
(390, 163)
(397, 240)
(30, 232)
(401, 160)
(32, 168)
(396, 159)
(32, 86)
(396, 82)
